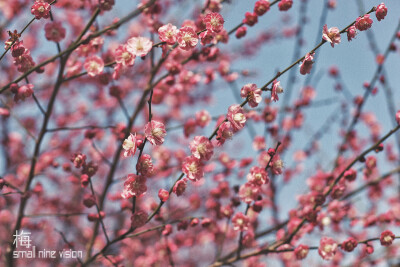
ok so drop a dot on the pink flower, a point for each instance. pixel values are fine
(130, 145)
(203, 118)
(349, 244)
(257, 176)
(168, 33)
(327, 248)
(18, 49)
(187, 38)
(193, 168)
(123, 56)
(381, 12)
(163, 195)
(201, 148)
(155, 132)
(301, 252)
(180, 187)
(240, 222)
(398, 117)
(106, 5)
(276, 89)
(78, 159)
(250, 18)
(351, 33)
(94, 65)
(54, 31)
(277, 165)
(252, 93)
(285, 5)
(363, 23)
(306, 66)
(350, 175)
(332, 35)
(24, 62)
(261, 7)
(206, 37)
(145, 165)
(214, 22)
(139, 46)
(138, 219)
(236, 117)
(225, 131)
(41, 9)
(135, 185)
(249, 192)
(387, 238)
(21, 92)
(240, 32)
(5, 113)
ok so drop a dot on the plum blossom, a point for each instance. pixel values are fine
(145, 165)
(134, 185)
(327, 248)
(201, 148)
(21, 92)
(155, 132)
(123, 56)
(187, 38)
(285, 5)
(387, 238)
(248, 192)
(276, 89)
(129, 145)
(363, 23)
(306, 66)
(94, 65)
(163, 195)
(180, 187)
(381, 12)
(139, 46)
(252, 93)
(349, 244)
(301, 252)
(193, 168)
(225, 131)
(332, 35)
(236, 117)
(203, 118)
(241, 32)
(138, 219)
(41, 9)
(214, 22)
(54, 31)
(250, 18)
(351, 33)
(261, 7)
(240, 222)
(168, 33)
(257, 176)
(398, 117)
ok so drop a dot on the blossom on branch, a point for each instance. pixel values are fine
(332, 35)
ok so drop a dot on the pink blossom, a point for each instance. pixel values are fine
(363, 23)
(168, 33)
(22, 92)
(249, 192)
(332, 35)
(398, 117)
(41, 9)
(203, 118)
(327, 248)
(106, 5)
(225, 131)
(138, 219)
(351, 33)
(123, 56)
(257, 176)
(18, 49)
(155, 132)
(381, 12)
(250, 19)
(276, 89)
(214, 22)
(241, 32)
(78, 159)
(349, 244)
(94, 65)
(236, 117)
(5, 113)
(145, 165)
(54, 31)
(193, 168)
(306, 66)
(240, 222)
(134, 185)
(261, 7)
(180, 187)
(387, 238)
(252, 93)
(206, 37)
(130, 145)
(350, 175)
(163, 195)
(139, 46)
(277, 165)
(187, 38)
(301, 252)
(285, 5)
(201, 148)
(24, 62)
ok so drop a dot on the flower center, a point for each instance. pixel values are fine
(41, 9)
